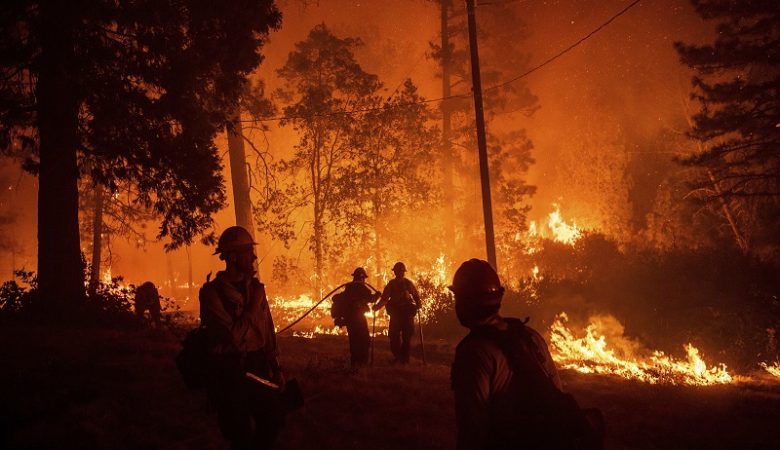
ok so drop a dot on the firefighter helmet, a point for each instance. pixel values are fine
(399, 267)
(360, 272)
(234, 238)
(476, 279)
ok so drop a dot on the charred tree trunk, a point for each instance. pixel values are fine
(97, 239)
(60, 272)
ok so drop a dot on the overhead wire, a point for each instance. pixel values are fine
(566, 50)
(449, 97)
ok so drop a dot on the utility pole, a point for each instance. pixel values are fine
(487, 207)
(446, 127)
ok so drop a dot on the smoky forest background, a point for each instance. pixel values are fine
(633, 151)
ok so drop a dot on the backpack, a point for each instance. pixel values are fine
(193, 359)
(551, 419)
(339, 308)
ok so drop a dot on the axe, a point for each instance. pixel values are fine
(291, 396)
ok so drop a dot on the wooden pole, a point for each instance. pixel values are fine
(487, 207)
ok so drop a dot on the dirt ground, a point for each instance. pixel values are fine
(103, 389)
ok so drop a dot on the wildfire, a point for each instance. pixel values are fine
(557, 229)
(562, 232)
(591, 354)
(774, 369)
(318, 331)
(535, 273)
(286, 310)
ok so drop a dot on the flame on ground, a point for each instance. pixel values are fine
(773, 369)
(591, 354)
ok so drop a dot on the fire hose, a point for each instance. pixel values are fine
(318, 304)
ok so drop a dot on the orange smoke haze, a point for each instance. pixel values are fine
(598, 104)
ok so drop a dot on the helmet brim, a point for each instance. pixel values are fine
(237, 247)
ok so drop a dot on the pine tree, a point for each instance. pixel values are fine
(138, 89)
(737, 85)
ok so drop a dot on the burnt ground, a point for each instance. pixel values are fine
(103, 389)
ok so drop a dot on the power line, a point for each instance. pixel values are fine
(433, 100)
(566, 50)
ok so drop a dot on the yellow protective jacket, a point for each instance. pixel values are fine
(237, 317)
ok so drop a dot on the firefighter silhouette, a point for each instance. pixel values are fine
(402, 300)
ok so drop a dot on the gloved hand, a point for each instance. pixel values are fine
(278, 378)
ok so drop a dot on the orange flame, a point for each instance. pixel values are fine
(557, 229)
(773, 369)
(562, 231)
(591, 354)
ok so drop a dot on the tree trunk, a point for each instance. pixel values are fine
(738, 237)
(238, 173)
(242, 202)
(97, 241)
(724, 205)
(190, 286)
(379, 260)
(446, 131)
(60, 272)
(318, 236)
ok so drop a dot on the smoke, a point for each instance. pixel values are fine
(619, 88)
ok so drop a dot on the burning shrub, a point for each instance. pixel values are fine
(438, 310)
(715, 298)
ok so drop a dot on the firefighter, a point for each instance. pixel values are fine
(482, 376)
(355, 300)
(147, 298)
(403, 301)
(241, 338)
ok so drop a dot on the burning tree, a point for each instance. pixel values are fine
(141, 88)
(359, 154)
(322, 82)
(737, 83)
(389, 172)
